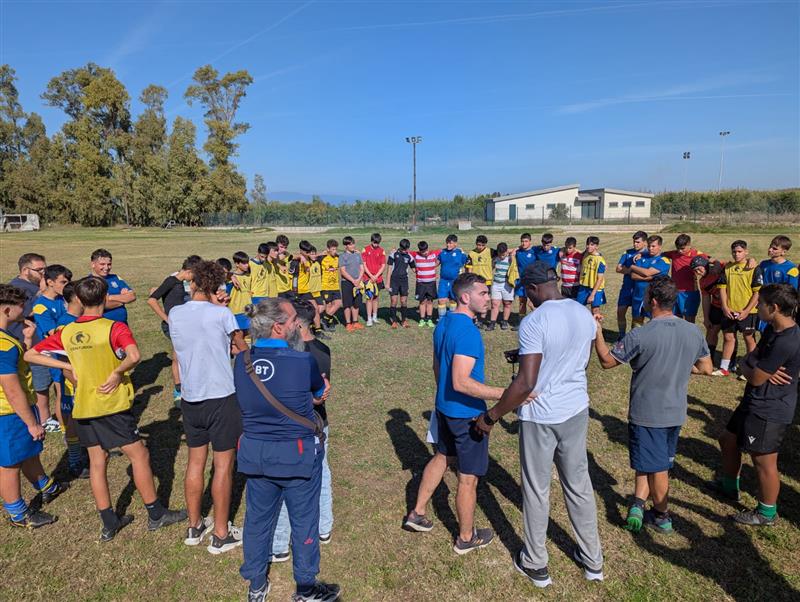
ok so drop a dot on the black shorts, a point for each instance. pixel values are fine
(304, 297)
(754, 434)
(331, 296)
(746, 326)
(426, 291)
(318, 299)
(399, 287)
(109, 432)
(569, 292)
(350, 295)
(216, 421)
(715, 315)
(458, 437)
(290, 295)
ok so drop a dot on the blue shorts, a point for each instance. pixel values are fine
(638, 310)
(242, 321)
(257, 300)
(687, 304)
(583, 296)
(520, 292)
(458, 437)
(625, 297)
(445, 289)
(652, 449)
(67, 399)
(42, 379)
(16, 443)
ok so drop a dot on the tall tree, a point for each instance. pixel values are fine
(186, 191)
(258, 194)
(148, 157)
(11, 118)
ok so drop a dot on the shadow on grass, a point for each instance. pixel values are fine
(731, 559)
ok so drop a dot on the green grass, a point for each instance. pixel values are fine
(382, 387)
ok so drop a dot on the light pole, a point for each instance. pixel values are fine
(686, 156)
(722, 135)
(413, 141)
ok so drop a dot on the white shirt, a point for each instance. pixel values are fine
(563, 332)
(201, 335)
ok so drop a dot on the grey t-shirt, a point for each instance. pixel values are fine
(351, 262)
(661, 354)
(31, 292)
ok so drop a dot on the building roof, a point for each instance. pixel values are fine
(592, 191)
(587, 196)
(521, 195)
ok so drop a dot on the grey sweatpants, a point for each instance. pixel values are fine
(539, 446)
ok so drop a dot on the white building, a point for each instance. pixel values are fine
(596, 203)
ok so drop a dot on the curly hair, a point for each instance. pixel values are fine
(208, 276)
(11, 295)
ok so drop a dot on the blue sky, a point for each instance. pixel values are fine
(508, 96)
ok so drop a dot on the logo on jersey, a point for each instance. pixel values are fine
(264, 369)
(114, 284)
(80, 338)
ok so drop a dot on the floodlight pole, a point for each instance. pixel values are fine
(413, 141)
(722, 134)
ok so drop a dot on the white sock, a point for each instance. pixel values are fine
(725, 364)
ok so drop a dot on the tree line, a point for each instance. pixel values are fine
(104, 167)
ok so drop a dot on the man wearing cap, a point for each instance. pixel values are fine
(555, 343)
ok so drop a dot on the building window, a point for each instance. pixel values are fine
(613, 204)
(530, 207)
(640, 203)
(551, 205)
(626, 204)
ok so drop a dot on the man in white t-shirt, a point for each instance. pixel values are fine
(201, 333)
(555, 346)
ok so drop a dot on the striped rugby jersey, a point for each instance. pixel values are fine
(570, 269)
(501, 267)
(426, 265)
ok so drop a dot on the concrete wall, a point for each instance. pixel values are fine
(616, 206)
(529, 208)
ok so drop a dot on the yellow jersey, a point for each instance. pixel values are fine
(315, 278)
(330, 272)
(300, 269)
(740, 284)
(242, 296)
(481, 264)
(592, 268)
(283, 277)
(9, 348)
(258, 279)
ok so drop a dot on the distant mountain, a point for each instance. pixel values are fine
(283, 196)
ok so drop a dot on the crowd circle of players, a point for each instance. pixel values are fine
(55, 333)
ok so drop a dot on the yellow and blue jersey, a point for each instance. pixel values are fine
(11, 362)
(241, 296)
(46, 313)
(780, 273)
(592, 268)
(259, 278)
(115, 287)
(661, 263)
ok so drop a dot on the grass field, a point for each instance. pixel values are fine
(382, 391)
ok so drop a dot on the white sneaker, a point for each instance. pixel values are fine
(369, 321)
(51, 425)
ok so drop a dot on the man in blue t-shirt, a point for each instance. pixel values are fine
(524, 255)
(624, 264)
(451, 261)
(120, 292)
(460, 397)
(546, 251)
(645, 268)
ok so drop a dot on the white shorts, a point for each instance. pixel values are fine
(502, 290)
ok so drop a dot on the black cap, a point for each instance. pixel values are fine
(699, 262)
(538, 272)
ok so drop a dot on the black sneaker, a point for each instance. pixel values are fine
(195, 535)
(170, 517)
(590, 574)
(49, 497)
(417, 522)
(226, 544)
(539, 577)
(754, 518)
(79, 473)
(504, 325)
(490, 326)
(33, 519)
(480, 539)
(322, 592)
(107, 535)
(259, 595)
(281, 556)
(514, 328)
(325, 539)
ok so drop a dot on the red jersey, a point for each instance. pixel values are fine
(682, 273)
(708, 286)
(426, 265)
(121, 336)
(374, 260)
(570, 268)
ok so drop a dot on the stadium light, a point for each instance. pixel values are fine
(723, 134)
(686, 155)
(413, 141)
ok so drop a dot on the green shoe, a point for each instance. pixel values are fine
(431, 324)
(635, 519)
(658, 524)
(421, 324)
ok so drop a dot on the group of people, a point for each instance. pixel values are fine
(252, 377)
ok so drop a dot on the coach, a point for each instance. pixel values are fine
(555, 343)
(279, 451)
(119, 292)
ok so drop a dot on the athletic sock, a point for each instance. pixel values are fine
(730, 484)
(109, 518)
(638, 502)
(393, 314)
(155, 510)
(16, 510)
(403, 313)
(725, 364)
(46, 484)
(74, 454)
(767, 510)
(442, 310)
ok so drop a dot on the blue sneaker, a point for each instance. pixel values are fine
(659, 524)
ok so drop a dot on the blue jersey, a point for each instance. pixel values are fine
(451, 263)
(779, 273)
(67, 318)
(46, 313)
(115, 287)
(551, 256)
(524, 259)
(626, 261)
(455, 334)
(659, 262)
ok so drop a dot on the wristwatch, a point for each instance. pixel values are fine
(488, 419)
